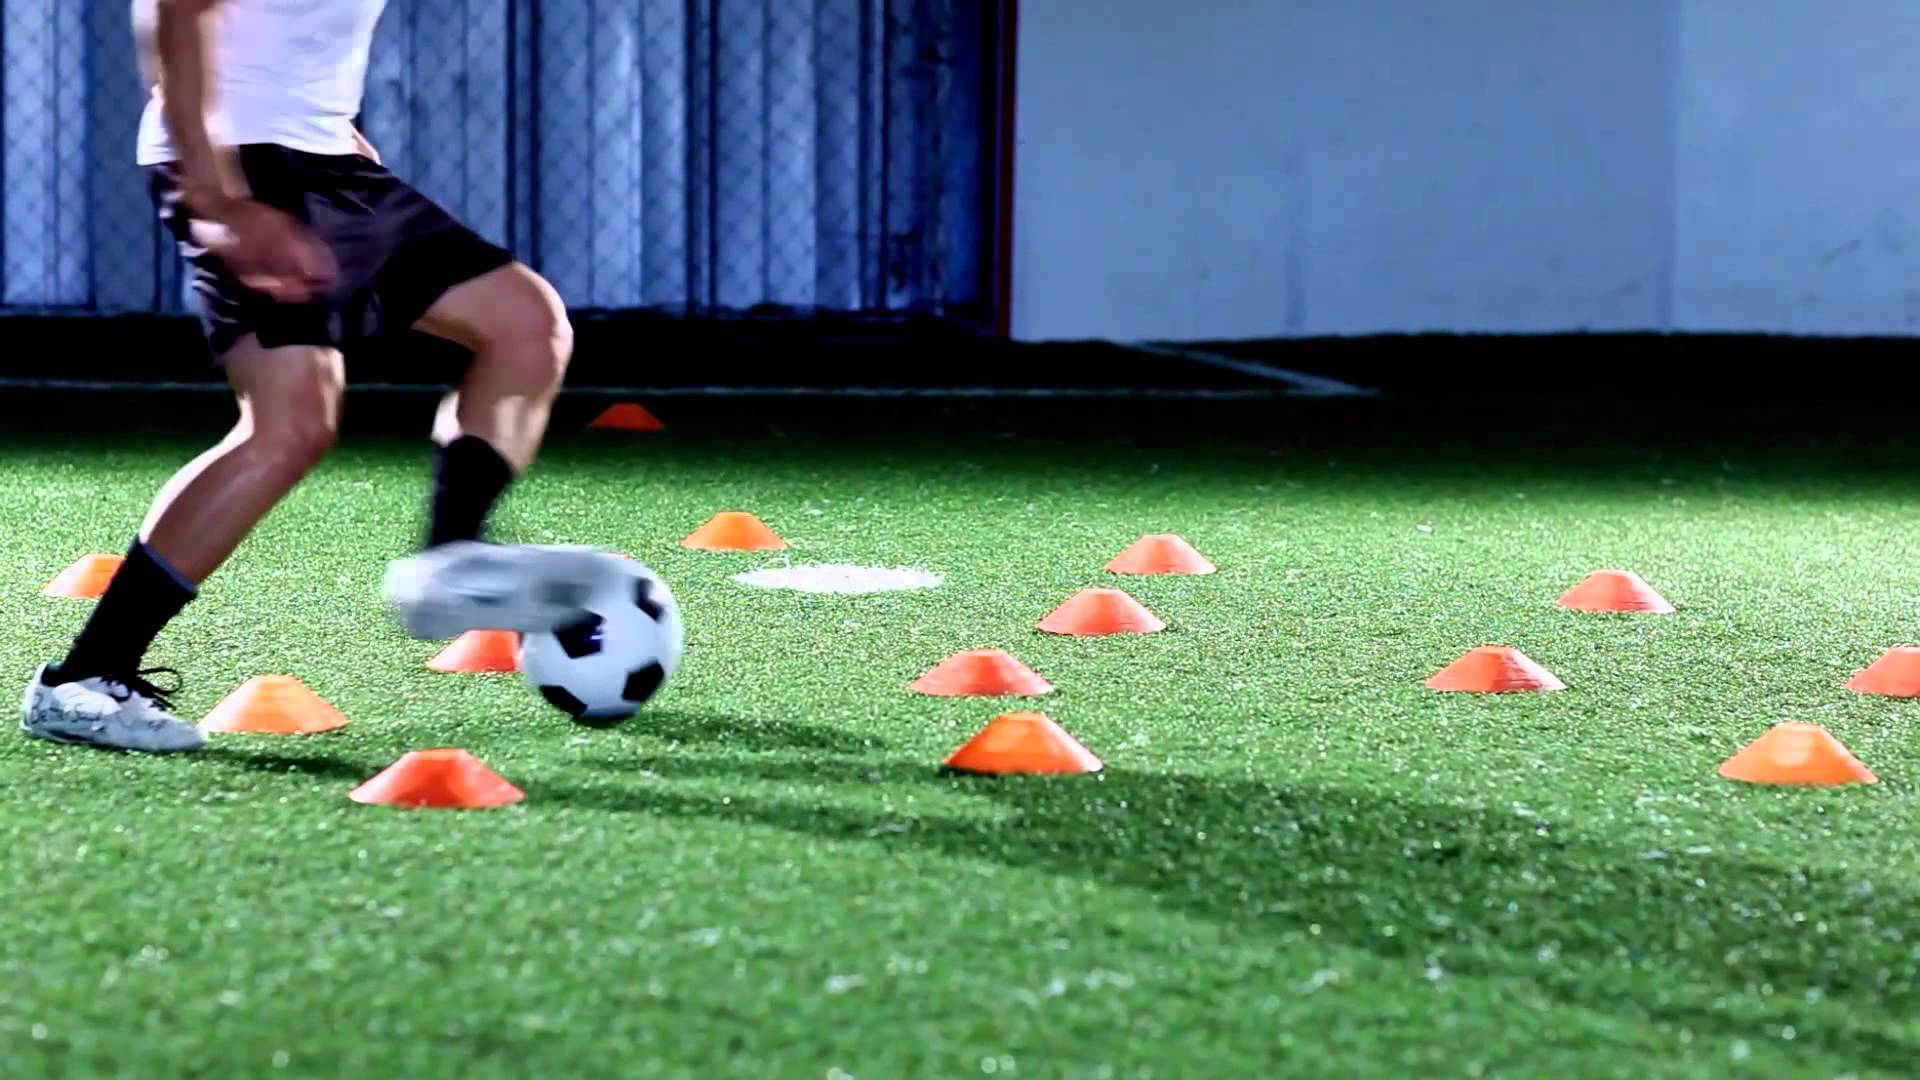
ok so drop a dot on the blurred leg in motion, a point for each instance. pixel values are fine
(488, 433)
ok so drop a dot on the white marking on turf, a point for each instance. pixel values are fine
(840, 579)
(1300, 383)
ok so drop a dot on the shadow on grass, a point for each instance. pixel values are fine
(1718, 945)
(1725, 947)
(813, 771)
(319, 764)
(719, 729)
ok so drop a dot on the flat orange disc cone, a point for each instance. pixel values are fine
(482, 652)
(734, 530)
(446, 779)
(1092, 612)
(1023, 742)
(627, 416)
(1798, 754)
(981, 673)
(273, 705)
(1614, 590)
(86, 579)
(1895, 674)
(1494, 669)
(1161, 553)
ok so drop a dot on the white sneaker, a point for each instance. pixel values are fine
(448, 590)
(108, 713)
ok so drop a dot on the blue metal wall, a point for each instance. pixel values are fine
(694, 155)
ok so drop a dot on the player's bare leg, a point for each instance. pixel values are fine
(488, 434)
(289, 403)
(289, 415)
(517, 327)
(490, 429)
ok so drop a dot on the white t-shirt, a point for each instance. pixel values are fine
(290, 72)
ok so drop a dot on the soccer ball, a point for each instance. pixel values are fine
(600, 668)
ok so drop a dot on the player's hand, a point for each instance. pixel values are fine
(365, 148)
(270, 251)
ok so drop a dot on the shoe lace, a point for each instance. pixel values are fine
(137, 683)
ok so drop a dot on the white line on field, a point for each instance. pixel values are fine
(1302, 384)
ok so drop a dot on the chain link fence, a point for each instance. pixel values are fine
(698, 156)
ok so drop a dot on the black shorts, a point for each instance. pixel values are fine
(395, 251)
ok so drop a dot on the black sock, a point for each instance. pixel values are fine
(144, 595)
(469, 476)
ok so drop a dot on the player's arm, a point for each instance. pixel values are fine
(267, 248)
(210, 181)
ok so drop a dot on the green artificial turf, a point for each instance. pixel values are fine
(1297, 861)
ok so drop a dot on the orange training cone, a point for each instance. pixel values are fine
(981, 673)
(1023, 742)
(1798, 754)
(446, 779)
(86, 579)
(273, 705)
(734, 530)
(480, 652)
(1091, 612)
(627, 416)
(1614, 590)
(1494, 669)
(1160, 553)
(1895, 674)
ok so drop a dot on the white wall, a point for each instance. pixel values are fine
(1234, 168)
(1800, 167)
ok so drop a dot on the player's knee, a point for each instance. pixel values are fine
(541, 316)
(555, 324)
(557, 330)
(294, 445)
(532, 325)
(289, 405)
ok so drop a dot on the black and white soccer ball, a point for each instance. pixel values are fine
(602, 667)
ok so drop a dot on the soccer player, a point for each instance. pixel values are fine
(302, 244)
